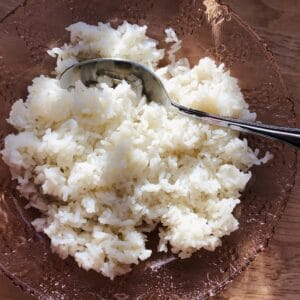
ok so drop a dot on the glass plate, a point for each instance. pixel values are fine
(25, 255)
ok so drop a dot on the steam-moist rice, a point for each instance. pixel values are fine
(114, 167)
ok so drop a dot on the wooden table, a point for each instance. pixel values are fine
(275, 274)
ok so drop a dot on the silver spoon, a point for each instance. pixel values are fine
(88, 71)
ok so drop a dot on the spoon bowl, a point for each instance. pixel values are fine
(120, 69)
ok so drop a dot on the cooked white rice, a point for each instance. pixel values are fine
(115, 167)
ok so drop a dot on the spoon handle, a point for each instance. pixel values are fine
(284, 134)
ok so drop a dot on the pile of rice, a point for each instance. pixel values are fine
(105, 167)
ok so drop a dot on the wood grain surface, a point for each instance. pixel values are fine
(275, 274)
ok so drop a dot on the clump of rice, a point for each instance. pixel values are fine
(115, 166)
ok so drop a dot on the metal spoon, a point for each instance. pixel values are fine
(88, 71)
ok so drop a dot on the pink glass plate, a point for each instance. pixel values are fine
(25, 255)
